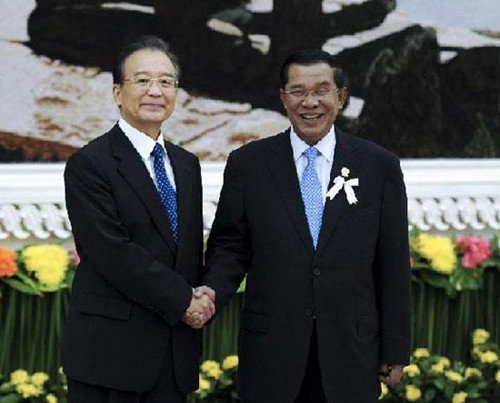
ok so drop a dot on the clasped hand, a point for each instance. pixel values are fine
(201, 308)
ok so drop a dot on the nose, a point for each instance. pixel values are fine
(310, 100)
(154, 88)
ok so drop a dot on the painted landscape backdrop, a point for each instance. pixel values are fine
(424, 75)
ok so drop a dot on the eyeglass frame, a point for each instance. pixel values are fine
(150, 82)
(313, 93)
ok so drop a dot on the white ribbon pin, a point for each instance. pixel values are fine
(340, 182)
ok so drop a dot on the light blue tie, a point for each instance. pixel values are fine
(310, 187)
(165, 190)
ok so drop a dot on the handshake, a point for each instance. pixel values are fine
(201, 308)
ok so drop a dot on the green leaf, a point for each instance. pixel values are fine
(440, 383)
(439, 281)
(242, 286)
(429, 395)
(22, 287)
(12, 398)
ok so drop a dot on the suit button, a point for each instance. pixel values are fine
(316, 272)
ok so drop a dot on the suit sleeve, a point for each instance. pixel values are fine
(393, 270)
(228, 254)
(98, 231)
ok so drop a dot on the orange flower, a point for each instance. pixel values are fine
(8, 265)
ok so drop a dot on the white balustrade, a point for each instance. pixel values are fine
(443, 196)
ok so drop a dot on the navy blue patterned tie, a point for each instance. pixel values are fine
(312, 196)
(165, 190)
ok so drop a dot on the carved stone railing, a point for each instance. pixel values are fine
(444, 196)
(454, 195)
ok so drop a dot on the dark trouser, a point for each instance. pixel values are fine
(311, 390)
(164, 391)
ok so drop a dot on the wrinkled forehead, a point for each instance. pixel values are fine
(152, 62)
(310, 74)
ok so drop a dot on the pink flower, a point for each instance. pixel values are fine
(74, 256)
(474, 250)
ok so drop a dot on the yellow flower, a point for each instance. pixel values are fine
(437, 368)
(18, 377)
(412, 370)
(215, 372)
(497, 376)
(48, 262)
(230, 362)
(445, 362)
(39, 378)
(209, 365)
(412, 393)
(27, 390)
(421, 353)
(476, 351)
(480, 336)
(204, 384)
(459, 397)
(438, 250)
(488, 357)
(454, 376)
(51, 398)
(472, 373)
(384, 390)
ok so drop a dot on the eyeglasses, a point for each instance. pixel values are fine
(144, 82)
(300, 94)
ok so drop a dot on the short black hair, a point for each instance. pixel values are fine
(148, 42)
(306, 57)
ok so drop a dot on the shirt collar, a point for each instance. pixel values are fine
(326, 146)
(141, 141)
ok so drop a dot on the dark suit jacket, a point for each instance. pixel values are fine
(133, 283)
(355, 285)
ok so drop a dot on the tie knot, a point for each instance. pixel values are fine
(157, 151)
(311, 153)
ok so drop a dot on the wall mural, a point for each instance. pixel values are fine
(420, 90)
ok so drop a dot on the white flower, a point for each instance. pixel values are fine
(339, 182)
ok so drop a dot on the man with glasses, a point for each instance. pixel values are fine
(317, 220)
(134, 201)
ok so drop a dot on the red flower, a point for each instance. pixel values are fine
(474, 250)
(8, 266)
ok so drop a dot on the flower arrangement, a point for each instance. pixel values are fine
(433, 378)
(453, 265)
(218, 380)
(474, 251)
(35, 387)
(37, 269)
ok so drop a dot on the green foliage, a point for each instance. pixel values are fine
(433, 378)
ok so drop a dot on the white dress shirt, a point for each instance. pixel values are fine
(144, 146)
(324, 161)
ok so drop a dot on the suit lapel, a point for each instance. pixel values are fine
(284, 173)
(132, 169)
(184, 188)
(344, 157)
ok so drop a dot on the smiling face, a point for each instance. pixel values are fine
(312, 115)
(146, 108)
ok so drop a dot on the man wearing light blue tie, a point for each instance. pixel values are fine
(317, 219)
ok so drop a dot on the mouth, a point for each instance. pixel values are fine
(153, 106)
(311, 117)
